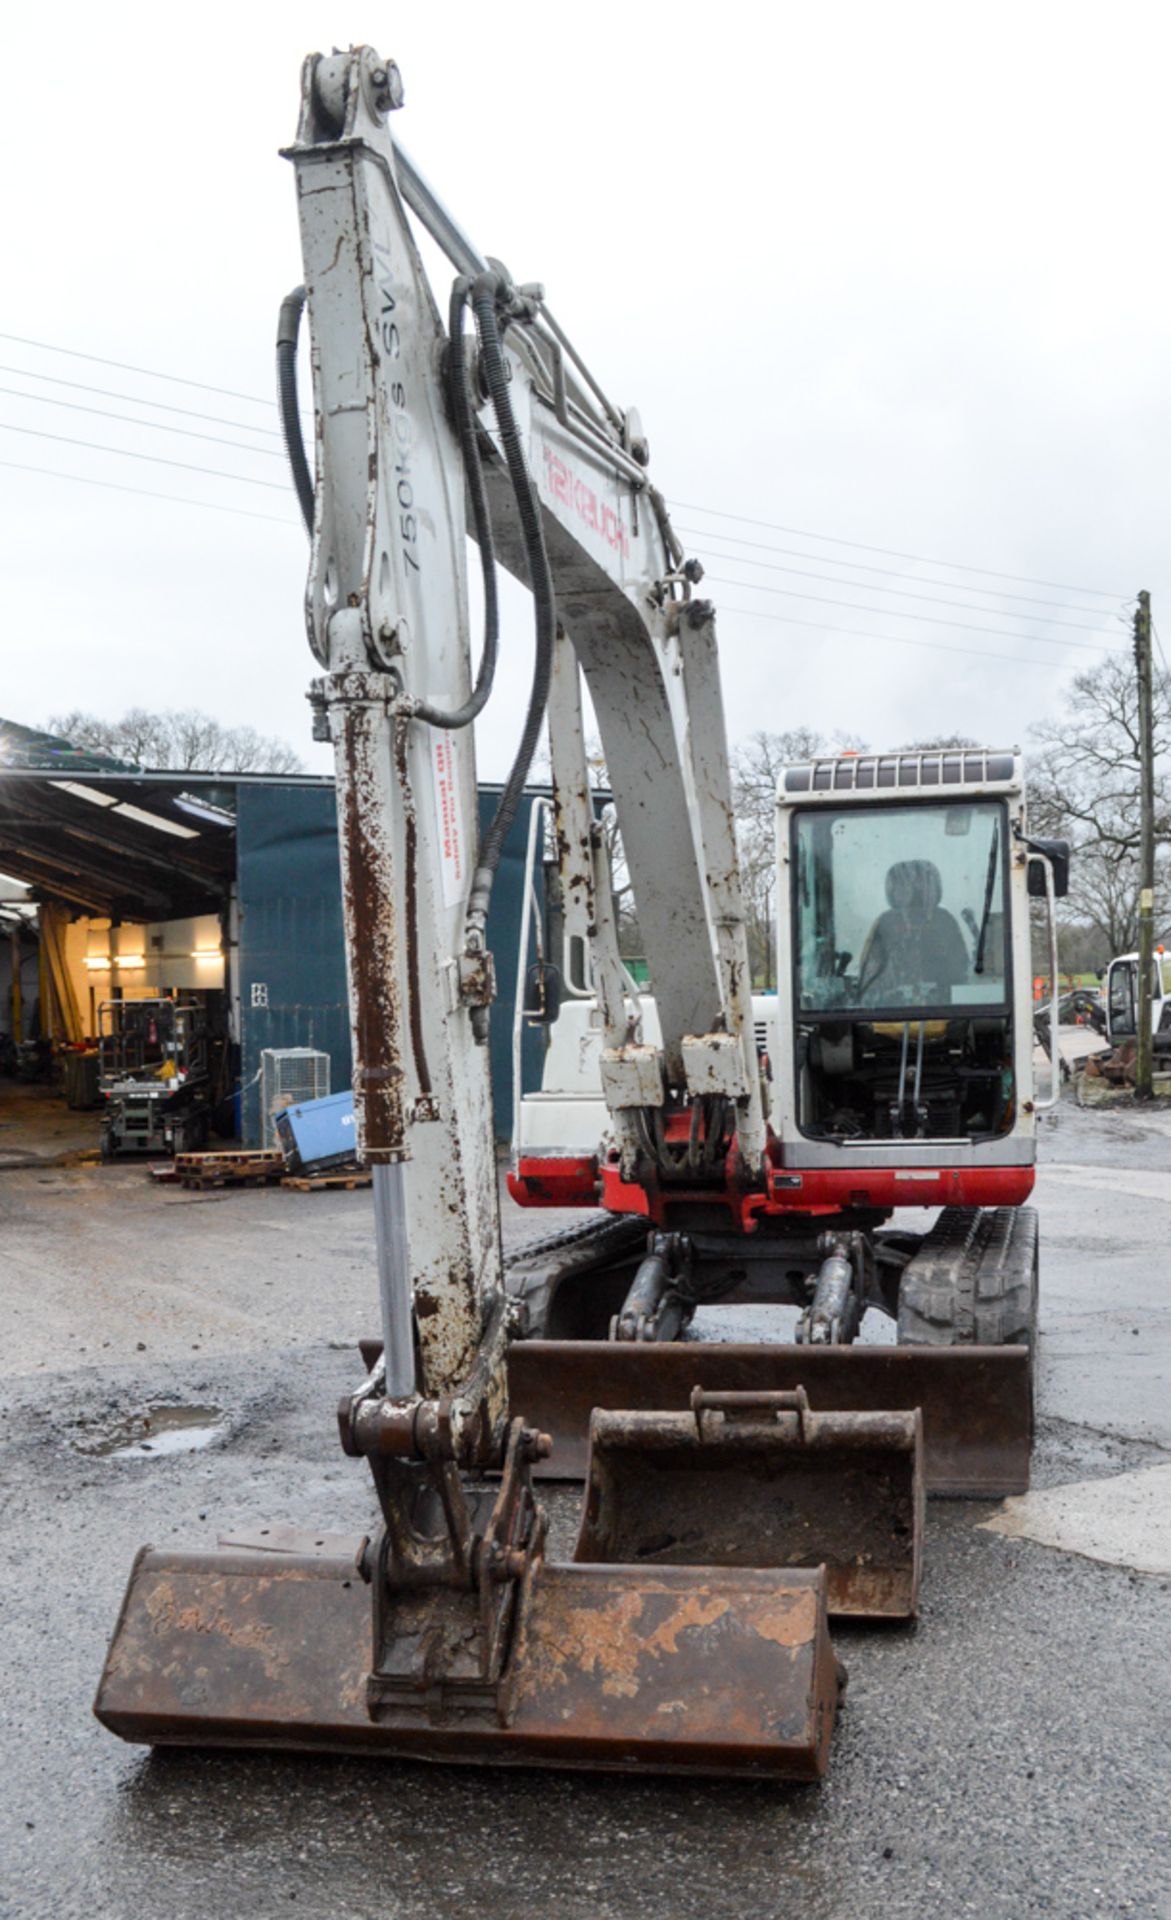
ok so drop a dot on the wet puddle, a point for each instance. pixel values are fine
(154, 1431)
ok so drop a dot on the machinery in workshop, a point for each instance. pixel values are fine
(737, 1497)
(154, 1075)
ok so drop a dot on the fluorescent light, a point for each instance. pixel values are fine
(131, 812)
(207, 953)
(88, 793)
(155, 820)
(130, 960)
(203, 810)
(99, 962)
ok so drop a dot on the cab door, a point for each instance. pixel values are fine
(1122, 999)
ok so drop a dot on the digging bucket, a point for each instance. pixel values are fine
(758, 1480)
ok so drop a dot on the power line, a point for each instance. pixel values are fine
(137, 400)
(881, 639)
(155, 426)
(156, 459)
(251, 399)
(152, 493)
(867, 566)
(894, 553)
(126, 366)
(903, 593)
(891, 613)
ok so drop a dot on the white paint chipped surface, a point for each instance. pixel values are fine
(1124, 1521)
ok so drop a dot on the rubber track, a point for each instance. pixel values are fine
(533, 1271)
(973, 1280)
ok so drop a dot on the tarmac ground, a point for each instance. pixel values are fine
(1005, 1758)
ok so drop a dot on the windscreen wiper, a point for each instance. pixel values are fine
(989, 883)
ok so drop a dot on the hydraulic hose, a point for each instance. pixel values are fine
(288, 329)
(486, 290)
(466, 428)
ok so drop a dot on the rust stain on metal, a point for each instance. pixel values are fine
(168, 1615)
(694, 1611)
(372, 940)
(616, 1640)
(789, 1621)
(411, 889)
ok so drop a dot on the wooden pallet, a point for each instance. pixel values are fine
(247, 1167)
(343, 1179)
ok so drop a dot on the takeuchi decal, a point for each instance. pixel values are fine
(565, 487)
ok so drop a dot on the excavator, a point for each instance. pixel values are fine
(735, 1497)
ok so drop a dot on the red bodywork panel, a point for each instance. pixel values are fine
(580, 1182)
(568, 1182)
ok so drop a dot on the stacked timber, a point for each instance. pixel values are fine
(246, 1167)
(239, 1168)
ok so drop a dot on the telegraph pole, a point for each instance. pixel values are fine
(1146, 898)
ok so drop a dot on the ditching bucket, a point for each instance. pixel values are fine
(694, 1670)
(757, 1480)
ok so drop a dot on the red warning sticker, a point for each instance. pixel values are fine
(451, 847)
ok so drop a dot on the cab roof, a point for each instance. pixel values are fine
(972, 771)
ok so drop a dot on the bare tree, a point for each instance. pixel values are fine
(939, 740)
(177, 740)
(1084, 786)
(757, 765)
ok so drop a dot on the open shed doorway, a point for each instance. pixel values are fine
(116, 1028)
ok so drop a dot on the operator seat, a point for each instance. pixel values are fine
(916, 944)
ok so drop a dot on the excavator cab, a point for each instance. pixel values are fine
(902, 988)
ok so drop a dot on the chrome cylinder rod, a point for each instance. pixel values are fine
(394, 1279)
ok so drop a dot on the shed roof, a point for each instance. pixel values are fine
(129, 846)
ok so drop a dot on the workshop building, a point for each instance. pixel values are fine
(119, 885)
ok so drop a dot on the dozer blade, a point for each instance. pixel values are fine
(976, 1402)
(757, 1480)
(668, 1670)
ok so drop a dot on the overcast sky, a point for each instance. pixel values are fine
(884, 274)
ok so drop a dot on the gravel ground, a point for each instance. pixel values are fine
(1007, 1757)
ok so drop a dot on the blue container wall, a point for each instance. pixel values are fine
(292, 954)
(503, 937)
(292, 958)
